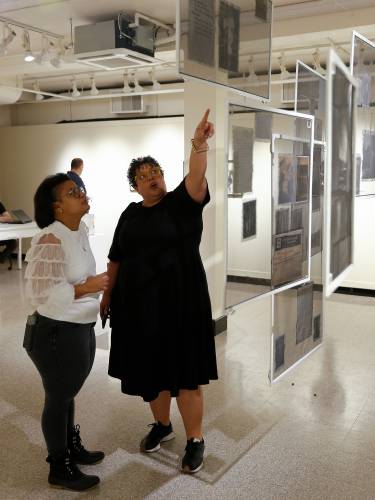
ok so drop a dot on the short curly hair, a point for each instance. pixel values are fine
(138, 162)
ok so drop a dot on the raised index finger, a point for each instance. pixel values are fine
(205, 117)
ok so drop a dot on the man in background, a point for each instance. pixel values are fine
(75, 172)
(9, 245)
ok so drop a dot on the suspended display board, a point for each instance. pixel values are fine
(226, 43)
(340, 173)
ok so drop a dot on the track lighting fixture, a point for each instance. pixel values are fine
(56, 61)
(284, 73)
(252, 79)
(8, 36)
(155, 84)
(137, 87)
(93, 91)
(36, 87)
(317, 65)
(28, 56)
(126, 88)
(43, 55)
(75, 91)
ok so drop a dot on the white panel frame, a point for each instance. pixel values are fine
(330, 285)
(186, 76)
(264, 107)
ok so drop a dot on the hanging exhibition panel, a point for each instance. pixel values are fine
(340, 173)
(269, 201)
(310, 96)
(226, 43)
(362, 64)
(297, 326)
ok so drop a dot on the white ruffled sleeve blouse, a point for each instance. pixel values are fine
(57, 260)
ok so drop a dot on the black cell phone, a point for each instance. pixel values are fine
(104, 318)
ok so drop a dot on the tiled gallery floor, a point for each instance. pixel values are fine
(263, 442)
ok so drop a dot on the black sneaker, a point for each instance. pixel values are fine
(193, 458)
(158, 434)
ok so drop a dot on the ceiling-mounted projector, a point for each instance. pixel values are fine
(114, 45)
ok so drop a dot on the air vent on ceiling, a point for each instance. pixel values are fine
(111, 45)
(127, 104)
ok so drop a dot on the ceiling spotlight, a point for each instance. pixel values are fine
(284, 73)
(75, 91)
(137, 87)
(253, 77)
(36, 87)
(56, 61)
(43, 55)
(8, 36)
(126, 88)
(317, 66)
(93, 91)
(29, 56)
(155, 84)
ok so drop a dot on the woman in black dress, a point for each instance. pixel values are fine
(162, 342)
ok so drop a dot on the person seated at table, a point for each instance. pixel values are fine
(9, 245)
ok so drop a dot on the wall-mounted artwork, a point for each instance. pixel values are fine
(287, 258)
(368, 163)
(249, 219)
(304, 312)
(287, 179)
(243, 145)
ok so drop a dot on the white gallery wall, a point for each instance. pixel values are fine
(28, 154)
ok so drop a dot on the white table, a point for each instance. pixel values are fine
(17, 232)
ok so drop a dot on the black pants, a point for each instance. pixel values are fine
(10, 245)
(63, 354)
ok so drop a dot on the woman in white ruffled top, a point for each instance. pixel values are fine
(63, 289)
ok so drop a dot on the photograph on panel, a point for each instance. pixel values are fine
(297, 326)
(249, 219)
(215, 37)
(310, 96)
(287, 258)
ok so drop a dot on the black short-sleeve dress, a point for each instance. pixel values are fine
(162, 331)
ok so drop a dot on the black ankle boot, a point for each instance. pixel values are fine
(78, 452)
(65, 474)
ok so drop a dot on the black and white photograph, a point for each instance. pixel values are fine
(249, 219)
(282, 220)
(263, 126)
(303, 177)
(243, 145)
(304, 312)
(287, 258)
(229, 36)
(201, 35)
(287, 178)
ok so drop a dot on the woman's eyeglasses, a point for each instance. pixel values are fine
(75, 192)
(145, 174)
